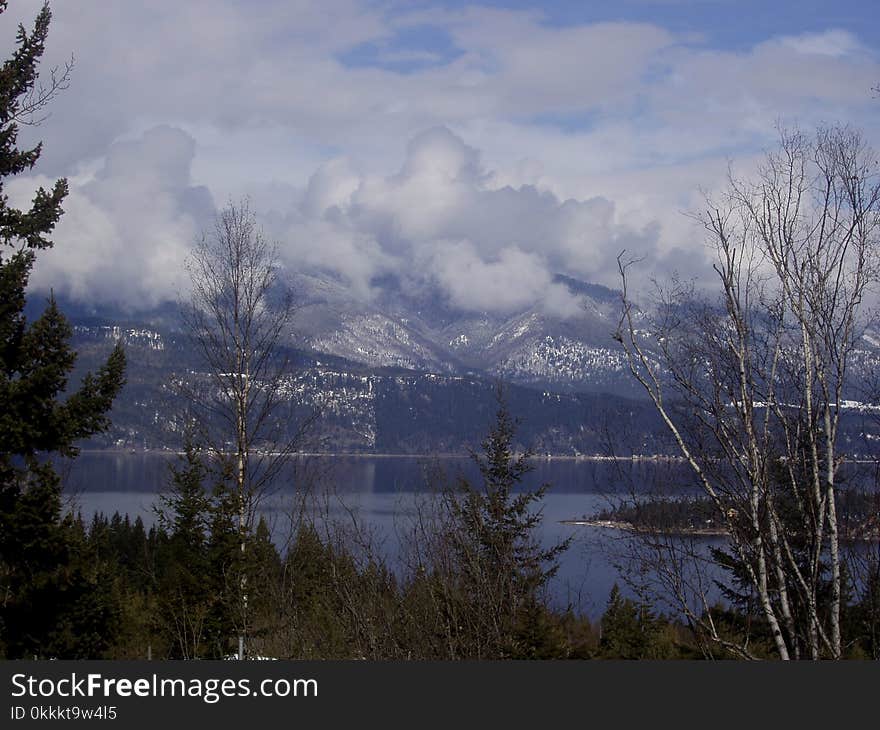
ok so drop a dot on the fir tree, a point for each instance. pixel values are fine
(38, 415)
(631, 631)
(502, 566)
(185, 593)
(226, 561)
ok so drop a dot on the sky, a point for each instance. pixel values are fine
(483, 148)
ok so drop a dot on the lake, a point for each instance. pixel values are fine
(384, 493)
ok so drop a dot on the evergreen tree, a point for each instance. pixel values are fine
(126, 553)
(622, 637)
(226, 564)
(185, 592)
(630, 630)
(313, 619)
(38, 415)
(184, 510)
(501, 566)
(198, 587)
(263, 564)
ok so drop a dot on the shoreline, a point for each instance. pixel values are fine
(593, 458)
(630, 527)
(388, 455)
(687, 532)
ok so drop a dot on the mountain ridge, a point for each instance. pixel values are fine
(404, 372)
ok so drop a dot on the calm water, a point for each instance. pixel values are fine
(384, 494)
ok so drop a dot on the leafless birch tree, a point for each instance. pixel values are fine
(751, 385)
(240, 319)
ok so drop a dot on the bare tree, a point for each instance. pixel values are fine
(751, 386)
(240, 320)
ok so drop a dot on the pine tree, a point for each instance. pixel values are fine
(263, 563)
(38, 415)
(502, 567)
(185, 593)
(226, 561)
(621, 634)
(631, 631)
(184, 510)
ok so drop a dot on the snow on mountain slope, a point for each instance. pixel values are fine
(420, 331)
(377, 340)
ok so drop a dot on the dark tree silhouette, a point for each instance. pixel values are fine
(40, 586)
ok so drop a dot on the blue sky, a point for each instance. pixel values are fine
(464, 143)
(731, 24)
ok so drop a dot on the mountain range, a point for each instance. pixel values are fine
(403, 371)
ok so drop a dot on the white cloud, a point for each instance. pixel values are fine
(514, 280)
(125, 234)
(579, 140)
(834, 43)
(441, 218)
(331, 186)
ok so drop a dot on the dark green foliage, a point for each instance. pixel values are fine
(310, 615)
(539, 633)
(224, 555)
(128, 552)
(90, 622)
(184, 589)
(17, 78)
(320, 601)
(500, 523)
(262, 566)
(184, 509)
(52, 598)
(863, 618)
(629, 630)
(489, 570)
(200, 564)
(72, 610)
(685, 515)
(335, 605)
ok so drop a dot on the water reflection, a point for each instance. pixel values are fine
(384, 494)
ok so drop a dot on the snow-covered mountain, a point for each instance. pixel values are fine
(403, 371)
(421, 331)
(399, 371)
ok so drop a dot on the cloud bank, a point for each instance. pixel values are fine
(481, 149)
(440, 219)
(443, 217)
(127, 230)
